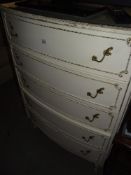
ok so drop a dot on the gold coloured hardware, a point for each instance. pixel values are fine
(96, 116)
(98, 91)
(106, 52)
(89, 139)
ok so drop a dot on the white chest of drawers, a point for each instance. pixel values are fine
(74, 79)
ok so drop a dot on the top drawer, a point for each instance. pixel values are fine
(105, 54)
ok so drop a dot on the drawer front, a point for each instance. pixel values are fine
(69, 107)
(86, 89)
(64, 140)
(77, 130)
(109, 55)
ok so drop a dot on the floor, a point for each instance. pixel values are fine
(25, 150)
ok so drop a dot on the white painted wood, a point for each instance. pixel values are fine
(61, 94)
(60, 137)
(20, 55)
(69, 107)
(43, 39)
(72, 68)
(72, 128)
(87, 28)
(75, 85)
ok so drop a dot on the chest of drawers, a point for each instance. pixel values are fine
(74, 79)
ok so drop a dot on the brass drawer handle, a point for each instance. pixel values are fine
(89, 139)
(85, 153)
(106, 52)
(95, 116)
(98, 91)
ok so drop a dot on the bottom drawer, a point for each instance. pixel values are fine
(74, 129)
(64, 140)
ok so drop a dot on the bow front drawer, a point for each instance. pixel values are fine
(62, 139)
(72, 128)
(68, 107)
(105, 54)
(86, 89)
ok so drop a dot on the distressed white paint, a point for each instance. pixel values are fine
(72, 84)
(77, 131)
(66, 106)
(59, 89)
(43, 39)
(62, 138)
